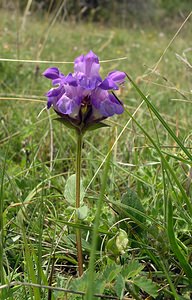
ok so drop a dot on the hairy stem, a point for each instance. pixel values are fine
(78, 178)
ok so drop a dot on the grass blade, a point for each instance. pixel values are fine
(90, 283)
(30, 266)
(165, 162)
(174, 245)
(2, 279)
(165, 125)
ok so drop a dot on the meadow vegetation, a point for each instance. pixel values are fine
(144, 248)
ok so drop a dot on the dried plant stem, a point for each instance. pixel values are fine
(78, 178)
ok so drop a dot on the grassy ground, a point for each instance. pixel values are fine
(37, 156)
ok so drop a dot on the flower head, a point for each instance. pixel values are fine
(82, 97)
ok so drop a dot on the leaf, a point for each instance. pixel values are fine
(66, 122)
(132, 269)
(131, 199)
(72, 124)
(146, 285)
(120, 286)
(111, 272)
(80, 284)
(70, 190)
(82, 212)
(95, 126)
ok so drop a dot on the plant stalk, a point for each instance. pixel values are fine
(78, 193)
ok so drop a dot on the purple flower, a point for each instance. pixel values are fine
(82, 97)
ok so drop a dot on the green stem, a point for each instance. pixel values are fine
(78, 191)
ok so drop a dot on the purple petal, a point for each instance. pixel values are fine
(112, 80)
(50, 101)
(107, 109)
(92, 57)
(101, 101)
(51, 73)
(68, 106)
(118, 106)
(88, 65)
(74, 93)
(79, 59)
(97, 96)
(117, 76)
(70, 79)
(54, 92)
(91, 64)
(56, 81)
(79, 64)
(59, 80)
(54, 95)
(88, 83)
(106, 103)
(65, 105)
(108, 84)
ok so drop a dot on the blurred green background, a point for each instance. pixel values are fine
(111, 12)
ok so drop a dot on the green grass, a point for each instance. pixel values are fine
(150, 160)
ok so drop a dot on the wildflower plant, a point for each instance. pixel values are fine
(82, 100)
